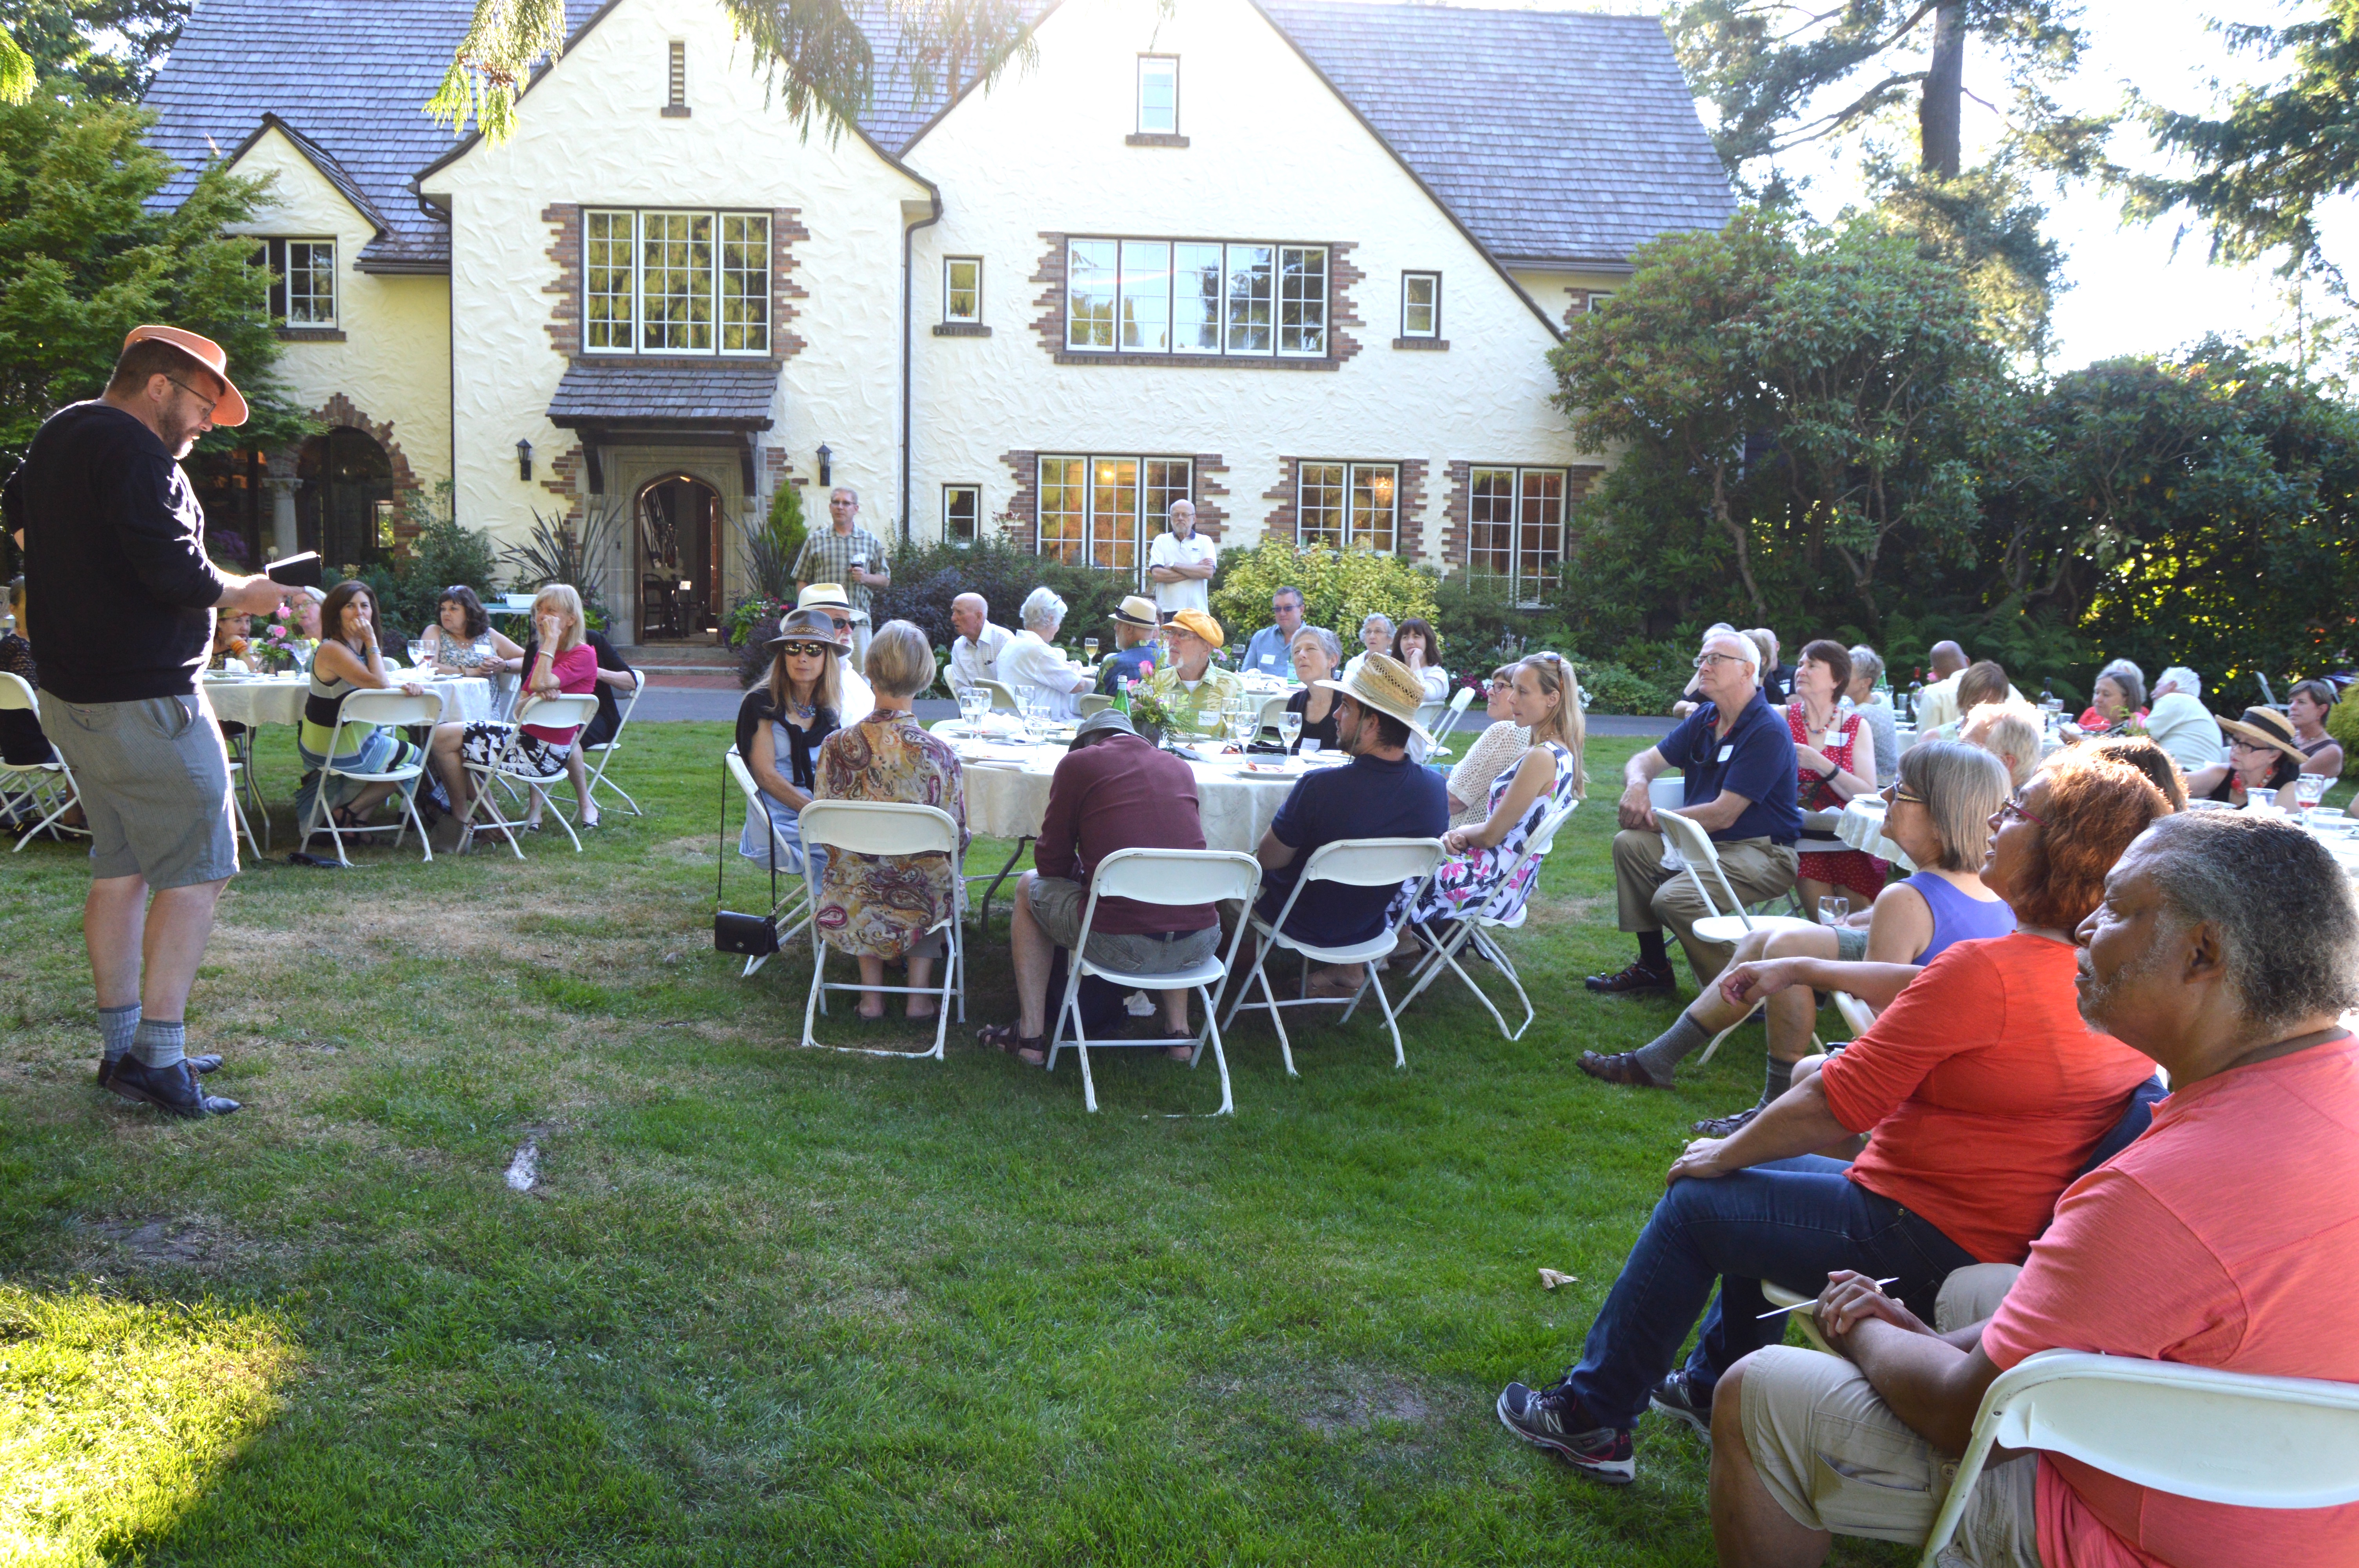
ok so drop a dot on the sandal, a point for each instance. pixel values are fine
(1002, 1037)
(349, 820)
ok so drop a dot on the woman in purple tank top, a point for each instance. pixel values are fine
(1941, 803)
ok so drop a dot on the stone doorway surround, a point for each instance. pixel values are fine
(626, 468)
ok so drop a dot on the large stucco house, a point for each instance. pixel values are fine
(1297, 260)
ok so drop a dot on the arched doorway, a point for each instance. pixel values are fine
(344, 507)
(681, 556)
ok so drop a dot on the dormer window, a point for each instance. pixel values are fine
(302, 280)
(1158, 95)
(675, 83)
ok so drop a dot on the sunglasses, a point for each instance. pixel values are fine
(806, 649)
(2012, 806)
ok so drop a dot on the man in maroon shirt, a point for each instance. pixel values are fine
(1112, 792)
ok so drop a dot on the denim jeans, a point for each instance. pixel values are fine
(1789, 1221)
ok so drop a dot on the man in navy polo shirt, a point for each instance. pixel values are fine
(1740, 786)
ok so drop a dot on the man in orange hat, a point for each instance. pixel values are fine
(114, 558)
(1192, 690)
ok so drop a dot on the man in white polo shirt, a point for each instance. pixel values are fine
(1181, 562)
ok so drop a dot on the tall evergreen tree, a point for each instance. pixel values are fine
(107, 48)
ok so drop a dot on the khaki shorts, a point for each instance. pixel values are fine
(1057, 904)
(1836, 1458)
(154, 779)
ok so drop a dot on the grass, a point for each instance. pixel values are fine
(777, 1306)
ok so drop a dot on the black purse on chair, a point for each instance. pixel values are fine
(750, 936)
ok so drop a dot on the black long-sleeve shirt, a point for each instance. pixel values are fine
(116, 574)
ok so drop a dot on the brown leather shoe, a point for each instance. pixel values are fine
(1636, 978)
(1725, 1126)
(1622, 1067)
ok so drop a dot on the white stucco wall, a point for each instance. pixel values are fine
(1273, 156)
(591, 133)
(1561, 293)
(394, 363)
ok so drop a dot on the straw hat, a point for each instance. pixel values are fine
(231, 409)
(1196, 623)
(1138, 609)
(829, 596)
(2265, 726)
(807, 626)
(1385, 684)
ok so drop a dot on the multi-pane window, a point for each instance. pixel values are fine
(963, 289)
(1516, 528)
(1420, 305)
(1598, 301)
(1347, 505)
(1100, 511)
(302, 280)
(676, 283)
(1195, 297)
(961, 512)
(1159, 94)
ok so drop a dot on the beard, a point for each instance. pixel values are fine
(2098, 998)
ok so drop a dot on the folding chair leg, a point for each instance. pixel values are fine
(1400, 1058)
(1277, 1021)
(1706, 1060)
(1220, 1057)
(817, 999)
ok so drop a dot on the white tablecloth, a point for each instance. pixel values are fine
(278, 699)
(1860, 824)
(1007, 793)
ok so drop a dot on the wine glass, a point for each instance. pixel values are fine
(1289, 728)
(1242, 715)
(417, 651)
(2308, 790)
(973, 703)
(1832, 910)
(1090, 650)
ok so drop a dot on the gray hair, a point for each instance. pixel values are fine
(2182, 677)
(1961, 786)
(1747, 649)
(1328, 641)
(899, 661)
(2289, 928)
(1043, 610)
(1378, 618)
(2014, 732)
(1865, 660)
(2129, 677)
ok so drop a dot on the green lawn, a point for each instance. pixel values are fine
(771, 1305)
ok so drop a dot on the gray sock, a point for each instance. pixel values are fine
(1681, 1039)
(159, 1044)
(1781, 1079)
(116, 1025)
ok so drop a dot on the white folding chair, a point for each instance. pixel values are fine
(1354, 862)
(1698, 856)
(2192, 1431)
(1273, 709)
(1448, 724)
(1003, 696)
(43, 791)
(356, 715)
(1168, 878)
(1476, 925)
(241, 762)
(795, 901)
(604, 752)
(510, 771)
(1856, 1013)
(237, 806)
(884, 828)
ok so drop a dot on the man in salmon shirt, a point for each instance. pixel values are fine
(2226, 1237)
(1985, 1094)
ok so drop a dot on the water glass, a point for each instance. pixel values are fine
(1289, 728)
(2308, 790)
(417, 651)
(1833, 911)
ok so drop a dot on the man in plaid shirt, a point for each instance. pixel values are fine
(846, 554)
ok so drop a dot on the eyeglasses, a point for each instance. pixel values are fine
(211, 403)
(2012, 806)
(1501, 683)
(1705, 661)
(806, 649)
(1896, 792)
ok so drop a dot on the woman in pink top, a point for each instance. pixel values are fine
(561, 664)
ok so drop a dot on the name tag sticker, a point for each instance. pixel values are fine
(1724, 753)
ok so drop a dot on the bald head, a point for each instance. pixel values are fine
(1947, 659)
(969, 613)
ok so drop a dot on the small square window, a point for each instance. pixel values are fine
(962, 514)
(1420, 305)
(1599, 301)
(963, 289)
(302, 280)
(1158, 95)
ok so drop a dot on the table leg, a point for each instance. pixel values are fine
(987, 893)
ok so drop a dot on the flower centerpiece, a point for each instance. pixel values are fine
(1147, 716)
(281, 644)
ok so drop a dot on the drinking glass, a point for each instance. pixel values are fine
(1244, 721)
(1090, 649)
(1832, 910)
(2308, 790)
(1289, 728)
(974, 703)
(417, 651)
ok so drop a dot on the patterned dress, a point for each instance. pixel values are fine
(1855, 870)
(880, 906)
(1466, 883)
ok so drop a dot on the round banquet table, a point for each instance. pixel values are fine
(278, 699)
(1008, 792)
(1860, 824)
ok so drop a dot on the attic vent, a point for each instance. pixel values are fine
(676, 108)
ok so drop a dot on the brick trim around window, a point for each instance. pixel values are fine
(1342, 312)
(1579, 480)
(1211, 517)
(1409, 502)
(564, 221)
(340, 410)
(1022, 513)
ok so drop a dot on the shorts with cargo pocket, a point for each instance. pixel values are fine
(154, 779)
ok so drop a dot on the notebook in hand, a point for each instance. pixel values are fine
(296, 571)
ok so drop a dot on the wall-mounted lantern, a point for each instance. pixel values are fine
(825, 456)
(524, 460)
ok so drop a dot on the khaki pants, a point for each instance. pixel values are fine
(1836, 1458)
(1653, 898)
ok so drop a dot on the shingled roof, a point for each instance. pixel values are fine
(721, 392)
(1554, 137)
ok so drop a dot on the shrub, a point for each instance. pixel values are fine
(1617, 688)
(926, 578)
(2343, 723)
(1340, 589)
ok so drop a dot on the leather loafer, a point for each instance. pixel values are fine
(204, 1064)
(171, 1090)
(1622, 1067)
(1636, 978)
